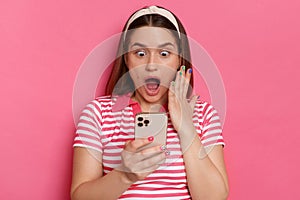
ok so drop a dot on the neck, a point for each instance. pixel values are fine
(147, 106)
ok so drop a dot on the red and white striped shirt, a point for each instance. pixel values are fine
(104, 126)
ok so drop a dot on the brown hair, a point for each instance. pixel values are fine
(120, 69)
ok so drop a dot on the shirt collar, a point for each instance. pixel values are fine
(133, 103)
(123, 101)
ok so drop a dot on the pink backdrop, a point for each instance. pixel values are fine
(255, 45)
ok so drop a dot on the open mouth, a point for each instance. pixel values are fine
(152, 85)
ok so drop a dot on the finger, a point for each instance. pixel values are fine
(187, 81)
(154, 149)
(139, 164)
(128, 143)
(147, 153)
(171, 95)
(137, 143)
(149, 169)
(151, 162)
(177, 83)
(140, 170)
(194, 100)
(132, 159)
(154, 160)
(183, 70)
(182, 81)
(172, 89)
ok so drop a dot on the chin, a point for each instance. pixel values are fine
(158, 98)
(161, 96)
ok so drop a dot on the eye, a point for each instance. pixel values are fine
(140, 53)
(164, 53)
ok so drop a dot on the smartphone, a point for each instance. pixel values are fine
(151, 124)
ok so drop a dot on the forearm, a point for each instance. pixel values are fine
(204, 179)
(110, 186)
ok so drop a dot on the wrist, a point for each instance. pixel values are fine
(187, 131)
(124, 178)
(186, 138)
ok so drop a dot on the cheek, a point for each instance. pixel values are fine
(173, 63)
(129, 61)
(137, 77)
(134, 74)
(167, 77)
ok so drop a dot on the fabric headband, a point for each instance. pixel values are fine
(154, 10)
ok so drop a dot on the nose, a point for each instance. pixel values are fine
(151, 64)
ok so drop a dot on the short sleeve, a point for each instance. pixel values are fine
(211, 129)
(89, 127)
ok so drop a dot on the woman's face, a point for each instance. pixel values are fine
(152, 60)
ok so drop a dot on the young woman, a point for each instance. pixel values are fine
(151, 73)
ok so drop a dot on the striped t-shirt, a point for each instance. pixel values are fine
(105, 124)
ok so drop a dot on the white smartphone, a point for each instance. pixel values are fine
(153, 124)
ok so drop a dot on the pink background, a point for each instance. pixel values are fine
(255, 45)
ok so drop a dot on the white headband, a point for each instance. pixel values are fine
(154, 10)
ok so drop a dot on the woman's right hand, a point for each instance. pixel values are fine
(136, 163)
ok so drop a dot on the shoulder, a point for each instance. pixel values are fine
(205, 111)
(204, 107)
(103, 99)
(112, 103)
(98, 103)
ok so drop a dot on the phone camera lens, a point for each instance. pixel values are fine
(140, 124)
(140, 119)
(146, 122)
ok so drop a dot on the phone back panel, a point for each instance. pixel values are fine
(152, 124)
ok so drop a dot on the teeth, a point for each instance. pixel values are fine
(152, 86)
(152, 83)
(153, 80)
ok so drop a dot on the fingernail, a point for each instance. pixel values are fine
(163, 148)
(150, 138)
(167, 153)
(183, 67)
(173, 83)
(198, 97)
(190, 70)
(180, 73)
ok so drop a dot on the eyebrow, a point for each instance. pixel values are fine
(159, 46)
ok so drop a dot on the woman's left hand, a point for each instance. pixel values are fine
(180, 108)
